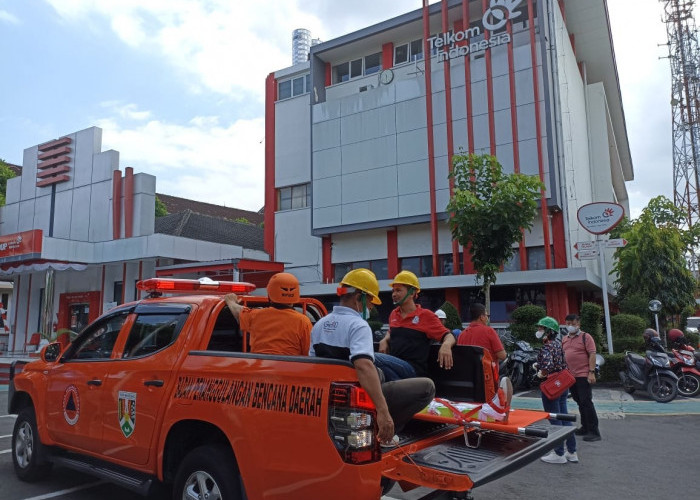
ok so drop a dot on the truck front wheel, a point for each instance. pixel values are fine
(208, 472)
(26, 448)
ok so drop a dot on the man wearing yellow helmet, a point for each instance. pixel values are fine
(345, 334)
(411, 331)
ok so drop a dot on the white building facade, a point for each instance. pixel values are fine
(360, 139)
(77, 233)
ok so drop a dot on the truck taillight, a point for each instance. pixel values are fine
(203, 285)
(352, 423)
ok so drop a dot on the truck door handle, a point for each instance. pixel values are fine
(94, 382)
(155, 383)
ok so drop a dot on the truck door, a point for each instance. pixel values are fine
(75, 386)
(134, 391)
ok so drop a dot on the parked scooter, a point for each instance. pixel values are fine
(651, 373)
(518, 365)
(683, 364)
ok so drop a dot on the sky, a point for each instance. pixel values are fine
(178, 85)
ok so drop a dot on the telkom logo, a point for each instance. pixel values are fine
(499, 12)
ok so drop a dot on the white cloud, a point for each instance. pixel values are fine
(6, 17)
(201, 160)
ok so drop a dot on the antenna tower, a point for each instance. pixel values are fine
(685, 106)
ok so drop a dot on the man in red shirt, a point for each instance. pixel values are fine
(411, 331)
(481, 334)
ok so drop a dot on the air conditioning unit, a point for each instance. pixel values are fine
(365, 88)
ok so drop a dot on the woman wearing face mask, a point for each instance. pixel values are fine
(551, 360)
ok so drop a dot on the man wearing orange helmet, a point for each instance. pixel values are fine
(411, 331)
(345, 334)
(278, 329)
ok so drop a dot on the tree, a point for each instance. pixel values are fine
(489, 211)
(453, 321)
(653, 264)
(5, 173)
(161, 209)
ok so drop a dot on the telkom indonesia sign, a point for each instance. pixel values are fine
(600, 217)
(496, 17)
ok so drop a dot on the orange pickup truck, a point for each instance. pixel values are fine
(161, 393)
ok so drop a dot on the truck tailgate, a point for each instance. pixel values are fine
(452, 465)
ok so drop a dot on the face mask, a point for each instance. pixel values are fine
(539, 334)
(571, 329)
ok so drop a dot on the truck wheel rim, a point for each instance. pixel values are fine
(201, 486)
(24, 445)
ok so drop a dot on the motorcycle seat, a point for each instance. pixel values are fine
(635, 358)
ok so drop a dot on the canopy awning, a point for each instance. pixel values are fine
(14, 270)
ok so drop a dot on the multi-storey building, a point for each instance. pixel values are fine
(359, 142)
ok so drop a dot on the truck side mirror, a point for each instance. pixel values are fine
(51, 352)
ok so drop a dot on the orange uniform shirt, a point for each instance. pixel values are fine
(277, 331)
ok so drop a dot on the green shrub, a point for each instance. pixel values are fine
(525, 320)
(453, 320)
(614, 364)
(636, 304)
(693, 338)
(591, 322)
(622, 344)
(627, 325)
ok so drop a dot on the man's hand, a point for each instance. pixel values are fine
(384, 345)
(234, 304)
(386, 427)
(445, 356)
(591, 378)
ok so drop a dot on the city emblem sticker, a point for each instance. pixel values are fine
(71, 405)
(127, 412)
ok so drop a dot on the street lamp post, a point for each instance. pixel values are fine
(655, 307)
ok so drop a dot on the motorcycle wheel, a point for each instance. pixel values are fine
(662, 389)
(626, 385)
(688, 385)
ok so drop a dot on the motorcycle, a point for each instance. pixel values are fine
(518, 365)
(685, 365)
(651, 373)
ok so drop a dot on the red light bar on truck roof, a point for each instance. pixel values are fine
(203, 285)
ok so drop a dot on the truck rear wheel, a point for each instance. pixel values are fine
(208, 472)
(26, 448)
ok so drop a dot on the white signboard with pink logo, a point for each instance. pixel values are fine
(600, 217)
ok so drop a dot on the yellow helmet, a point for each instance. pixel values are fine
(406, 278)
(365, 280)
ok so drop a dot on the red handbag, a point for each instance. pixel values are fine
(556, 383)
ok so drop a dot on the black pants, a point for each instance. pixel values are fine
(407, 397)
(583, 395)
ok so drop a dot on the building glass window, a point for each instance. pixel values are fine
(373, 63)
(298, 86)
(355, 68)
(401, 54)
(341, 72)
(420, 266)
(292, 197)
(380, 268)
(513, 263)
(416, 50)
(536, 258)
(284, 90)
(117, 292)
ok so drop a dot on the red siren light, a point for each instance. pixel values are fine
(202, 285)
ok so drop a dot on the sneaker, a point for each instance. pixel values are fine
(571, 457)
(592, 437)
(553, 458)
(580, 431)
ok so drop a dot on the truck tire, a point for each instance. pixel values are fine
(27, 449)
(208, 472)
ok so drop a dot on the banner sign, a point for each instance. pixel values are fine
(21, 246)
(600, 217)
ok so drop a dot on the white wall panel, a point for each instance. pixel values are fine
(80, 210)
(326, 163)
(359, 245)
(325, 111)
(326, 134)
(369, 185)
(501, 93)
(293, 240)
(100, 215)
(410, 115)
(442, 197)
(411, 146)
(327, 217)
(504, 153)
(439, 115)
(528, 157)
(481, 132)
(499, 61)
(369, 154)
(413, 177)
(442, 165)
(503, 125)
(326, 192)
(524, 93)
(479, 97)
(411, 88)
(414, 204)
(459, 103)
(292, 152)
(460, 135)
(414, 240)
(440, 139)
(367, 125)
(526, 122)
(477, 68)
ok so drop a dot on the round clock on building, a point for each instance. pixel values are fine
(386, 76)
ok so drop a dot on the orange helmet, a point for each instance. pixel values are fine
(283, 288)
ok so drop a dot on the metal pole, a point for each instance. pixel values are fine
(47, 309)
(656, 318)
(604, 286)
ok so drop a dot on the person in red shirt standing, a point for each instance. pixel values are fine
(481, 334)
(278, 329)
(411, 331)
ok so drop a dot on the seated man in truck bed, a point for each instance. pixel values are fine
(345, 334)
(278, 329)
